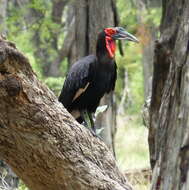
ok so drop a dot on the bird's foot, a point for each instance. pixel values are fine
(89, 124)
(99, 131)
(94, 132)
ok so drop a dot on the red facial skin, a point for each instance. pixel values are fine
(110, 42)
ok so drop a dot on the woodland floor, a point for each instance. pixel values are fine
(132, 150)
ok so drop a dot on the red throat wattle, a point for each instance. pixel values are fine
(111, 46)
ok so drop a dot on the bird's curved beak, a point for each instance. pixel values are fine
(122, 34)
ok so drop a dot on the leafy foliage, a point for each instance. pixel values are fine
(22, 186)
(132, 60)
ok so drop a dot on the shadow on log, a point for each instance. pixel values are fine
(41, 141)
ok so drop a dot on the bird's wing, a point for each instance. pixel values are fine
(77, 80)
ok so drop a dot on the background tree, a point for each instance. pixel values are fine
(169, 112)
(148, 28)
(44, 20)
(90, 17)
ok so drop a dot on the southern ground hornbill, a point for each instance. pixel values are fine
(93, 76)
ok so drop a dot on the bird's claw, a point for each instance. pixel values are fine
(95, 132)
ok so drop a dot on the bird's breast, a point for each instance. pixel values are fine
(103, 79)
(89, 96)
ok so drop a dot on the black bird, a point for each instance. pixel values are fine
(93, 76)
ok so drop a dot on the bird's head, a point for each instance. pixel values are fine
(116, 33)
(119, 33)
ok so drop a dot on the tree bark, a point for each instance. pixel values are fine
(46, 46)
(169, 112)
(7, 177)
(58, 7)
(41, 141)
(102, 14)
(125, 95)
(148, 33)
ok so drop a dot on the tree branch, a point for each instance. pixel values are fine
(41, 141)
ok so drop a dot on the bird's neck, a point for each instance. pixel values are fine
(105, 49)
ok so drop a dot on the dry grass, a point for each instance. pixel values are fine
(132, 150)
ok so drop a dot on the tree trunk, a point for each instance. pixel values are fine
(90, 18)
(169, 112)
(107, 121)
(148, 33)
(58, 7)
(7, 178)
(41, 141)
(102, 13)
(125, 95)
(3, 12)
(46, 46)
(153, 3)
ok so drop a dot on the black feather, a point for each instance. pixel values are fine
(99, 71)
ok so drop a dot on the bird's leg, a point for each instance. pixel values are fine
(94, 131)
(86, 118)
(91, 122)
